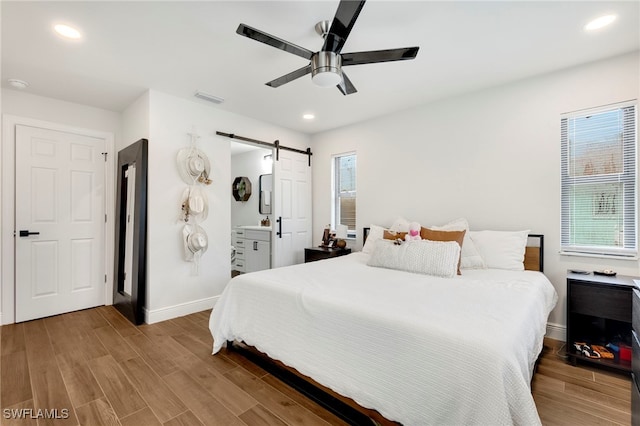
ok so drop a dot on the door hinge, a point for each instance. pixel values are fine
(105, 218)
(104, 154)
(105, 278)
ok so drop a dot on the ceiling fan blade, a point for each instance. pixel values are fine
(345, 86)
(289, 77)
(346, 15)
(373, 56)
(276, 42)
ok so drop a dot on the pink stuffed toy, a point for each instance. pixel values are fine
(414, 232)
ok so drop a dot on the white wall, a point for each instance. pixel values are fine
(171, 288)
(32, 107)
(166, 121)
(135, 122)
(250, 164)
(492, 156)
(24, 104)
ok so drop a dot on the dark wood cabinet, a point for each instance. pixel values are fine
(312, 254)
(599, 311)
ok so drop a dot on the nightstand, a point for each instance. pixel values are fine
(635, 359)
(312, 254)
(599, 312)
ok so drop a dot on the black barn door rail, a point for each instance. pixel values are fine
(275, 145)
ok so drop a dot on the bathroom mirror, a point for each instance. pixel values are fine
(266, 191)
(131, 227)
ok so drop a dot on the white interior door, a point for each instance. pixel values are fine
(60, 202)
(292, 199)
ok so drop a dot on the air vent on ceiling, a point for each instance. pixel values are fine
(209, 98)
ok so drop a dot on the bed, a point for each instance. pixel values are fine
(418, 349)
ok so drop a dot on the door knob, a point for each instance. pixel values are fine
(26, 233)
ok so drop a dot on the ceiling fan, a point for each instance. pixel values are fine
(326, 65)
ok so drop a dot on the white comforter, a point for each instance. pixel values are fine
(419, 349)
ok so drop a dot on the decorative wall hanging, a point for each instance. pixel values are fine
(195, 170)
(194, 204)
(241, 188)
(195, 242)
(194, 166)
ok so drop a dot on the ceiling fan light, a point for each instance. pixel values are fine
(325, 69)
(327, 78)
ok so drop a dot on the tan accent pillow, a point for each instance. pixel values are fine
(390, 235)
(433, 235)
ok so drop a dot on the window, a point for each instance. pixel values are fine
(599, 180)
(344, 192)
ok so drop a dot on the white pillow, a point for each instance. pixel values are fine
(438, 258)
(400, 225)
(501, 249)
(470, 257)
(375, 233)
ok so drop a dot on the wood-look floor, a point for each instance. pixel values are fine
(105, 371)
(580, 395)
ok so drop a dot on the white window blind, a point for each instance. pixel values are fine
(344, 192)
(599, 181)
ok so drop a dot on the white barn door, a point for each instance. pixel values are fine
(292, 215)
(60, 222)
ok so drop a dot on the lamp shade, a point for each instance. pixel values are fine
(341, 231)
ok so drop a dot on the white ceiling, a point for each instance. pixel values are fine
(182, 47)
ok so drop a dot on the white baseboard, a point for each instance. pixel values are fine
(180, 310)
(557, 332)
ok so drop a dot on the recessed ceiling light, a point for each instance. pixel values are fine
(67, 31)
(308, 116)
(18, 84)
(600, 22)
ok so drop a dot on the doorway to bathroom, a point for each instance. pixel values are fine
(270, 207)
(251, 208)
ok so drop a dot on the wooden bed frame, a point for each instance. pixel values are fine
(343, 407)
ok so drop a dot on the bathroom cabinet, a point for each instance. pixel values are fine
(253, 248)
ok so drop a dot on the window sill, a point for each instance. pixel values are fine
(599, 256)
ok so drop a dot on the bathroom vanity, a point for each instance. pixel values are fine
(253, 248)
